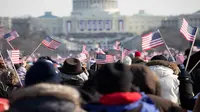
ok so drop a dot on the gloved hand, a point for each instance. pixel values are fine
(183, 75)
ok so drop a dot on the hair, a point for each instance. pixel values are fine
(9, 77)
(145, 79)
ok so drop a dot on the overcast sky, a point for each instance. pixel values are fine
(127, 7)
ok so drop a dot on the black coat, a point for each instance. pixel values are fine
(186, 90)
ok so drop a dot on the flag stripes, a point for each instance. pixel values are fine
(152, 40)
(188, 31)
(109, 59)
(51, 43)
(15, 54)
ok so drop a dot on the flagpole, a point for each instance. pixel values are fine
(10, 45)
(191, 48)
(3, 60)
(194, 67)
(122, 55)
(15, 70)
(167, 47)
(34, 50)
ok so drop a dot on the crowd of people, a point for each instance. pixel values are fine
(132, 84)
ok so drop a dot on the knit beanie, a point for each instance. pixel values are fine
(137, 54)
(114, 77)
(41, 72)
(127, 60)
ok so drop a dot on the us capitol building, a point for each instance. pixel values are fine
(95, 21)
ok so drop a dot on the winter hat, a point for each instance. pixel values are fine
(137, 54)
(71, 66)
(114, 77)
(127, 60)
(159, 57)
(41, 71)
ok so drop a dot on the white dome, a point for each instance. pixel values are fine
(83, 6)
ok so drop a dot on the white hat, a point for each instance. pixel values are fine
(127, 60)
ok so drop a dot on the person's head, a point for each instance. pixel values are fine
(45, 98)
(187, 51)
(115, 77)
(127, 60)
(137, 54)
(42, 71)
(71, 66)
(9, 77)
(145, 79)
(44, 58)
(137, 61)
(2, 65)
(159, 57)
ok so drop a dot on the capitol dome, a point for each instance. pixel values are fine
(86, 6)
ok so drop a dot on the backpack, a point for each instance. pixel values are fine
(145, 104)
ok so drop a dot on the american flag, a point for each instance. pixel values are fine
(51, 43)
(84, 51)
(108, 59)
(126, 52)
(152, 40)
(14, 56)
(117, 45)
(188, 31)
(2, 31)
(11, 36)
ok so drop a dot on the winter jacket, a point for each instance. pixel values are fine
(161, 104)
(22, 73)
(197, 105)
(123, 102)
(168, 80)
(186, 90)
(165, 105)
(88, 91)
(74, 80)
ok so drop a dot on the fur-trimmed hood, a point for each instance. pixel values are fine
(166, 65)
(46, 98)
(58, 91)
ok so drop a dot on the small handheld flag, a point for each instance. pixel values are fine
(11, 36)
(188, 31)
(103, 59)
(51, 43)
(14, 56)
(152, 40)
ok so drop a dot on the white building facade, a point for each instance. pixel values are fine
(6, 22)
(95, 16)
(176, 21)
